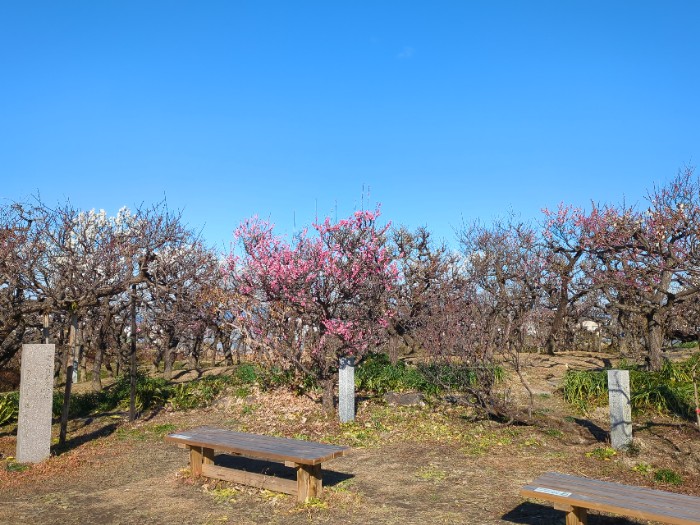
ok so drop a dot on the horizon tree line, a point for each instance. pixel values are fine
(351, 287)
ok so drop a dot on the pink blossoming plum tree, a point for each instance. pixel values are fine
(319, 298)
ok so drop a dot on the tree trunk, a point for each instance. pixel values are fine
(158, 358)
(69, 382)
(654, 341)
(133, 365)
(97, 367)
(558, 321)
(168, 364)
(62, 361)
(328, 401)
(197, 350)
(226, 347)
(169, 358)
(61, 356)
(192, 361)
(101, 348)
(82, 360)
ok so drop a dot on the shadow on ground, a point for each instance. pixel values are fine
(77, 441)
(598, 433)
(535, 514)
(278, 470)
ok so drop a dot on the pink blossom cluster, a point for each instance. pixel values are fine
(335, 281)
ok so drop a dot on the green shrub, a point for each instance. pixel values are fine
(275, 377)
(377, 374)
(9, 408)
(442, 377)
(199, 393)
(246, 374)
(642, 468)
(151, 392)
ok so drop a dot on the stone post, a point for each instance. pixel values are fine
(346, 389)
(620, 408)
(35, 402)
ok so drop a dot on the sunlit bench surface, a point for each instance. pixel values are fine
(576, 495)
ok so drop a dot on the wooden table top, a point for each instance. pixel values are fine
(259, 446)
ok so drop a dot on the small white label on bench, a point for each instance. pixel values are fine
(179, 436)
(553, 492)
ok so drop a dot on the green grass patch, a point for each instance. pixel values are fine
(602, 453)
(642, 468)
(224, 495)
(429, 473)
(666, 475)
(13, 466)
(669, 390)
(553, 432)
(377, 375)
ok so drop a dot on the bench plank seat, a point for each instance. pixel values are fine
(305, 456)
(576, 494)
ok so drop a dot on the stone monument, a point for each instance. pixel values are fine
(346, 389)
(35, 403)
(620, 408)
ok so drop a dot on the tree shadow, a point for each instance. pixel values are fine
(272, 468)
(77, 441)
(151, 413)
(652, 426)
(597, 432)
(684, 425)
(178, 374)
(534, 514)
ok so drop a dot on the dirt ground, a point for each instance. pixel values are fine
(429, 464)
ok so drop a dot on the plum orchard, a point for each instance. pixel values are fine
(644, 262)
(346, 288)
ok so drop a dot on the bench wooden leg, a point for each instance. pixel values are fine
(199, 455)
(577, 516)
(208, 456)
(309, 482)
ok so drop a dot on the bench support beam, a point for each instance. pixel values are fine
(252, 479)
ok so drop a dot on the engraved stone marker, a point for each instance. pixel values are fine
(346, 389)
(35, 400)
(620, 408)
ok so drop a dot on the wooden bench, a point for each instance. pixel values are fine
(305, 456)
(575, 495)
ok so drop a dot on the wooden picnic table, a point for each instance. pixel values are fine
(305, 456)
(576, 495)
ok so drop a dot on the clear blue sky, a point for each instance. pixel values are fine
(440, 110)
